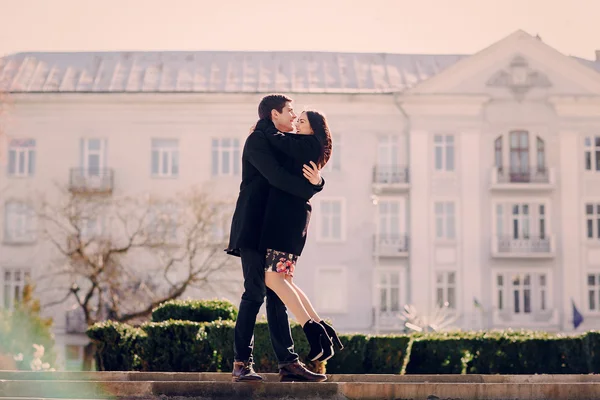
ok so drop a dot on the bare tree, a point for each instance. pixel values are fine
(124, 256)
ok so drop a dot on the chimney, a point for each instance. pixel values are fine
(597, 55)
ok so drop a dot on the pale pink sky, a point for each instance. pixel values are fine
(398, 26)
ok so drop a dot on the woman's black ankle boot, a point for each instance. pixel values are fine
(332, 334)
(316, 336)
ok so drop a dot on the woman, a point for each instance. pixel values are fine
(286, 224)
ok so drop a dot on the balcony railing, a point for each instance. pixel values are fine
(390, 176)
(391, 245)
(523, 177)
(532, 246)
(91, 180)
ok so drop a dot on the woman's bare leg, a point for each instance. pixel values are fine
(305, 301)
(277, 282)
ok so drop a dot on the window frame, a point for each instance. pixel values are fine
(321, 216)
(173, 157)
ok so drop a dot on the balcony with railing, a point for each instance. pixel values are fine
(390, 178)
(526, 247)
(534, 178)
(391, 245)
(91, 180)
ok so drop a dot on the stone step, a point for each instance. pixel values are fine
(204, 390)
(271, 377)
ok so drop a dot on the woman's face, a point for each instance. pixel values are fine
(303, 126)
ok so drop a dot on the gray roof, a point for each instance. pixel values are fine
(218, 71)
(592, 64)
(221, 71)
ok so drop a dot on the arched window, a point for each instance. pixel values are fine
(519, 156)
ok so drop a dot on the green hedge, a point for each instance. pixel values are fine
(507, 352)
(177, 346)
(192, 346)
(208, 346)
(591, 348)
(195, 310)
(119, 347)
(386, 354)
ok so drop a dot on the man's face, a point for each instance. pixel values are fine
(284, 120)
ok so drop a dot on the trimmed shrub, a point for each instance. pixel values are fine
(219, 335)
(195, 310)
(208, 346)
(176, 346)
(591, 347)
(385, 354)
(497, 352)
(118, 346)
(351, 360)
(441, 353)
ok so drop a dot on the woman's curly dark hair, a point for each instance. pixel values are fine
(318, 123)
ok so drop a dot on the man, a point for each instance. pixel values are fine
(260, 170)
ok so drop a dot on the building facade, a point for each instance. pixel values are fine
(467, 180)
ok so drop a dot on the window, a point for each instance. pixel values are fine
(389, 291)
(592, 153)
(335, 161)
(542, 291)
(527, 292)
(593, 285)
(21, 157)
(592, 223)
(521, 288)
(92, 227)
(516, 221)
(500, 291)
(523, 227)
(391, 219)
(165, 157)
(226, 157)
(444, 152)
(93, 156)
(445, 225)
(445, 285)
(14, 282)
(388, 152)
(542, 221)
(388, 169)
(520, 221)
(330, 287)
(163, 222)
(19, 222)
(519, 155)
(332, 220)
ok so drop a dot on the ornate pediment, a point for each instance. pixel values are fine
(519, 78)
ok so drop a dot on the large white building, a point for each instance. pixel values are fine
(472, 180)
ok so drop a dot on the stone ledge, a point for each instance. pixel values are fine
(132, 376)
(204, 390)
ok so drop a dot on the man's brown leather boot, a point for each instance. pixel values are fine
(297, 372)
(244, 372)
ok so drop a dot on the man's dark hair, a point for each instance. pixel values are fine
(271, 102)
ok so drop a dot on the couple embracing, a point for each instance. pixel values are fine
(281, 161)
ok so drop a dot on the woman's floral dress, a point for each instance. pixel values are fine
(280, 261)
